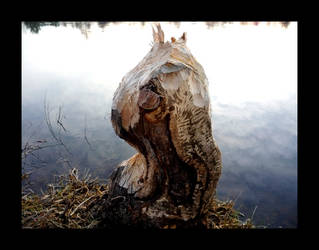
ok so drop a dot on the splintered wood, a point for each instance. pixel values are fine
(162, 108)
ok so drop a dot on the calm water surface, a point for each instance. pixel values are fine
(252, 71)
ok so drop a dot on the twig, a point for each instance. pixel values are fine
(238, 196)
(55, 224)
(120, 196)
(80, 205)
(85, 138)
(253, 213)
(59, 119)
(49, 125)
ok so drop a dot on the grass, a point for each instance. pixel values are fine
(68, 203)
(222, 215)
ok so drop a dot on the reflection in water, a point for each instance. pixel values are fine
(259, 156)
(252, 73)
(84, 27)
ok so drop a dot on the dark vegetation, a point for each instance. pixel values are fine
(75, 202)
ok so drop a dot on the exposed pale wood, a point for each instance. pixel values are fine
(162, 108)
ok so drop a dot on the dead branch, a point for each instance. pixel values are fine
(85, 137)
(59, 120)
(57, 138)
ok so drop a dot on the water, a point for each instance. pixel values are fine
(252, 71)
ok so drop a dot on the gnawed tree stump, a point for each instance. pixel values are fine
(162, 109)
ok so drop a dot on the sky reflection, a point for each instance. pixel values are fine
(252, 71)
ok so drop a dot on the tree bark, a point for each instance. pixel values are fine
(162, 109)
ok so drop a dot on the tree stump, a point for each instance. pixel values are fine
(162, 109)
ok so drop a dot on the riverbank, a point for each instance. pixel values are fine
(73, 201)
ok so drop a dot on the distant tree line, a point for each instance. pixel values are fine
(84, 27)
(35, 27)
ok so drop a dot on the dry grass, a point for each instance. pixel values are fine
(67, 205)
(222, 215)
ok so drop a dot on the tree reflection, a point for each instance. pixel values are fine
(35, 27)
(221, 24)
(85, 27)
(102, 25)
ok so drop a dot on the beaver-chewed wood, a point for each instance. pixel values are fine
(162, 109)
